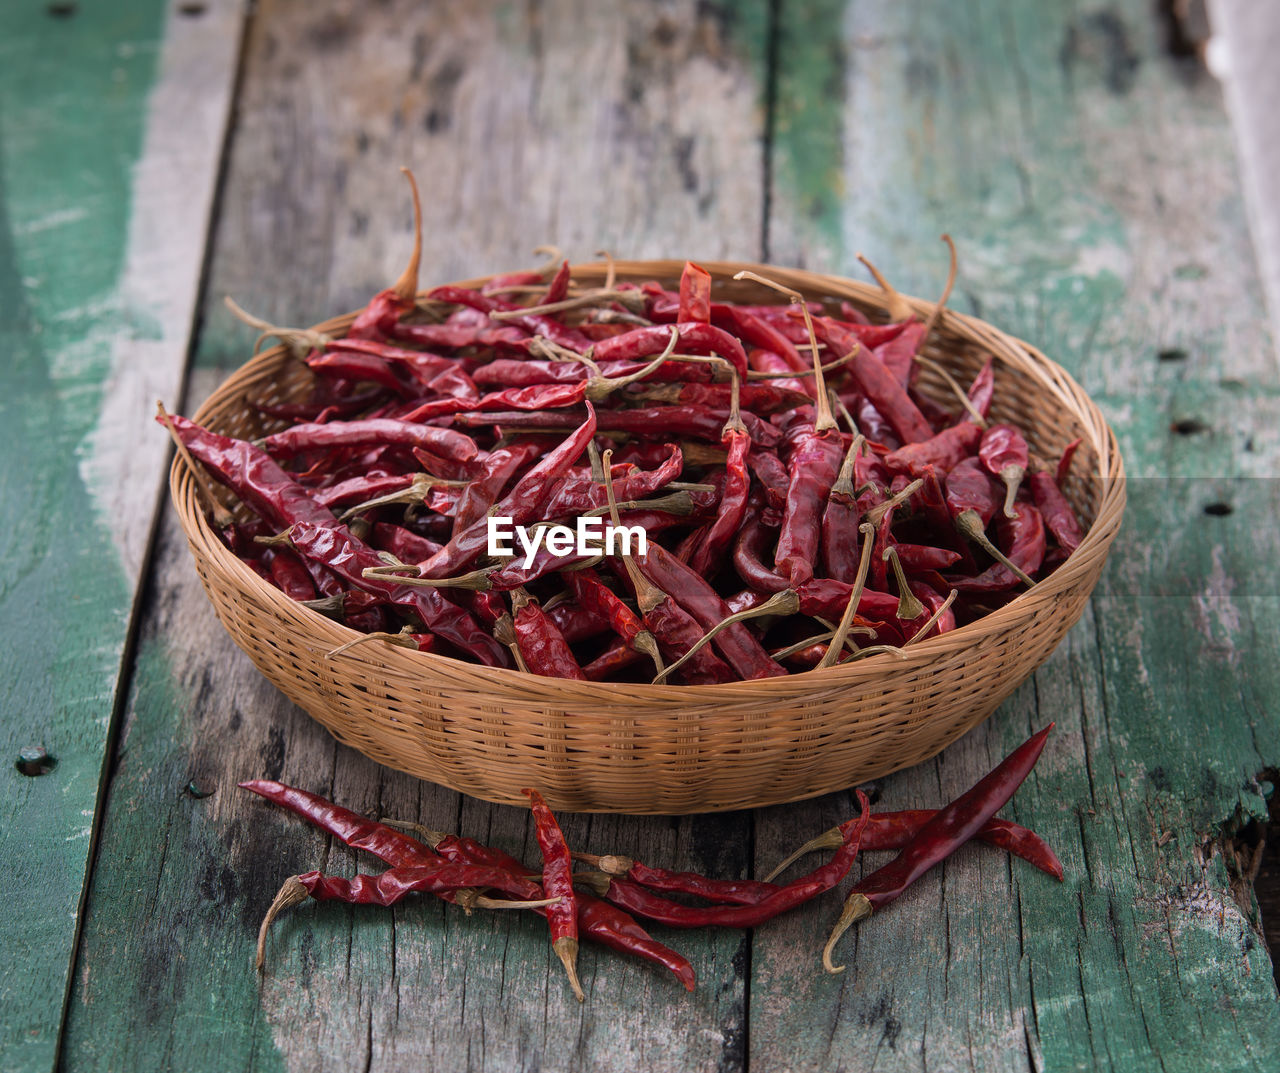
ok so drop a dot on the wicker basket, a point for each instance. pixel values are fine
(676, 749)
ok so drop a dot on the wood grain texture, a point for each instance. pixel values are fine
(1089, 181)
(99, 258)
(524, 124)
(1087, 178)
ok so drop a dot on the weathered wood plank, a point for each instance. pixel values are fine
(639, 129)
(99, 258)
(1089, 181)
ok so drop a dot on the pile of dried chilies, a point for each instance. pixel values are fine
(778, 540)
(601, 904)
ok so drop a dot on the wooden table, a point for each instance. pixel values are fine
(156, 156)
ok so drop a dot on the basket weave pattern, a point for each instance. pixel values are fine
(676, 749)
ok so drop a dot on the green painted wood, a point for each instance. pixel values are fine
(523, 126)
(73, 95)
(1089, 181)
(1099, 248)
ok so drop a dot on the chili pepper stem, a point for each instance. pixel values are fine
(475, 580)
(611, 269)
(876, 514)
(823, 421)
(300, 341)
(609, 863)
(857, 907)
(844, 479)
(600, 387)
(482, 901)
(975, 415)
(836, 647)
(909, 605)
(796, 374)
(397, 639)
(969, 522)
(648, 595)
(895, 304)
(416, 492)
(407, 285)
(786, 602)
(946, 291)
(646, 643)
(734, 423)
(1012, 476)
(291, 894)
(829, 839)
(567, 951)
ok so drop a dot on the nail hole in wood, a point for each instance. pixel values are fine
(34, 762)
(1188, 426)
(61, 11)
(191, 10)
(1218, 510)
(1172, 354)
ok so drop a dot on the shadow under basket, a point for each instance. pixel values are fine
(677, 749)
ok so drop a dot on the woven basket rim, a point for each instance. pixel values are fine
(811, 685)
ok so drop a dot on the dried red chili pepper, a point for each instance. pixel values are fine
(543, 647)
(497, 468)
(252, 475)
(558, 288)
(643, 902)
(359, 368)
(879, 386)
(675, 630)
(599, 921)
(759, 334)
(759, 398)
(695, 338)
(840, 518)
(362, 489)
(595, 597)
(289, 573)
(695, 294)
(693, 593)
(404, 544)
(898, 353)
(338, 549)
(949, 829)
(1004, 452)
(1023, 551)
(442, 442)
(534, 324)
(943, 451)
(699, 422)
(440, 877)
(557, 880)
(919, 557)
(578, 495)
(895, 830)
(982, 389)
(521, 504)
(814, 459)
(393, 846)
(617, 657)
(1064, 463)
(1059, 517)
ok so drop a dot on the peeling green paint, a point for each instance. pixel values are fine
(73, 97)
